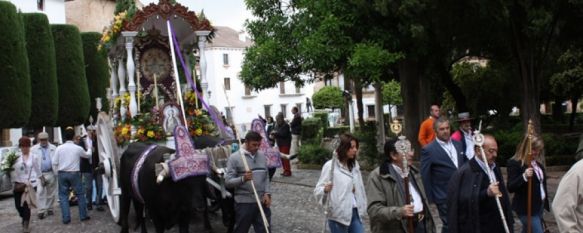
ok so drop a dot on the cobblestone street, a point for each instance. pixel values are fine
(294, 210)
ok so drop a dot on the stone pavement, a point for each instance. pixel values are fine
(293, 210)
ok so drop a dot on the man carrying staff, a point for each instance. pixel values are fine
(247, 212)
(471, 197)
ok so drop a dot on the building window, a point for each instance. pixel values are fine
(371, 113)
(282, 88)
(299, 106)
(284, 110)
(225, 59)
(267, 110)
(247, 91)
(227, 84)
(327, 82)
(40, 4)
(298, 90)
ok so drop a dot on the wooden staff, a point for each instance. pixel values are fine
(403, 147)
(529, 199)
(327, 195)
(479, 141)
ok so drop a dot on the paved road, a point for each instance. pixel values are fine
(294, 210)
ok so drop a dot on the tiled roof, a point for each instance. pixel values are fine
(229, 38)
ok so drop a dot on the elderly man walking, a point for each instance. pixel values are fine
(47, 191)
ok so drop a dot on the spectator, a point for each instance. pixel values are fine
(47, 191)
(309, 105)
(66, 162)
(296, 131)
(426, 133)
(341, 185)
(568, 202)
(464, 134)
(283, 136)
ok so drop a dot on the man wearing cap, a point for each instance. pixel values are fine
(47, 190)
(464, 134)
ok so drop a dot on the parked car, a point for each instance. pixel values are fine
(5, 183)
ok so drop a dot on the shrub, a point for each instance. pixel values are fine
(73, 92)
(323, 116)
(15, 93)
(333, 131)
(311, 131)
(367, 141)
(96, 69)
(328, 97)
(314, 154)
(43, 73)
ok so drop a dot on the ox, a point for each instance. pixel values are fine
(168, 203)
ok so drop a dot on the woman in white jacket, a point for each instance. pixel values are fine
(340, 189)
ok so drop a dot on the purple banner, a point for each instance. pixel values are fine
(271, 154)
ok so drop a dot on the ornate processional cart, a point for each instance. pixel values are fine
(145, 93)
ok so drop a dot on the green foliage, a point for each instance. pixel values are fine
(371, 60)
(311, 131)
(323, 116)
(367, 140)
(569, 82)
(333, 131)
(314, 154)
(392, 93)
(328, 97)
(73, 91)
(43, 73)
(123, 5)
(15, 91)
(97, 71)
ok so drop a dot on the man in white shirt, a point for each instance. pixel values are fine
(66, 163)
(47, 191)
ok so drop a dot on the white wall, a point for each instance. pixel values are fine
(246, 108)
(54, 9)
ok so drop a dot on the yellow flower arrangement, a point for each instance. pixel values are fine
(198, 120)
(112, 32)
(147, 128)
(123, 133)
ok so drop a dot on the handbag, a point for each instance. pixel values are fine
(19, 187)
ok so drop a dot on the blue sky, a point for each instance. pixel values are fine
(231, 13)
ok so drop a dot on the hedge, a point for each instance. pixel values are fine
(97, 71)
(313, 154)
(73, 92)
(328, 97)
(43, 72)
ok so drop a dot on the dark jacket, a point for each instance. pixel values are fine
(282, 135)
(519, 187)
(296, 124)
(385, 192)
(437, 169)
(84, 164)
(469, 208)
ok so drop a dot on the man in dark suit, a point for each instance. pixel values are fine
(440, 159)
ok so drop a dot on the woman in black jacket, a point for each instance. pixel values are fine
(282, 135)
(518, 174)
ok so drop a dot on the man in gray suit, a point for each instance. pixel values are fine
(440, 159)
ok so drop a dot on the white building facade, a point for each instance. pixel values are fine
(224, 57)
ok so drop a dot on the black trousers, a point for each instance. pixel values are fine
(23, 210)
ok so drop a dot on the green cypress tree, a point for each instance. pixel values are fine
(73, 91)
(43, 70)
(96, 69)
(14, 77)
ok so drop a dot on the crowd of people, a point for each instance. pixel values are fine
(44, 172)
(458, 174)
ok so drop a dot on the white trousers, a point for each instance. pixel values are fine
(47, 195)
(295, 144)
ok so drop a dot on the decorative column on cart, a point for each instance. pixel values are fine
(121, 75)
(131, 69)
(202, 35)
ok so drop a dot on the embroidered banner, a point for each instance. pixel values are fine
(188, 161)
(271, 154)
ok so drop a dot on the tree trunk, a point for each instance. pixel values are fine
(359, 105)
(557, 109)
(574, 102)
(410, 88)
(455, 91)
(380, 116)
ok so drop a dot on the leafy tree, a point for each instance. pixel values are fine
(392, 93)
(73, 91)
(569, 82)
(96, 69)
(328, 97)
(15, 94)
(43, 73)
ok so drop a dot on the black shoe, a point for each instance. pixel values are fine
(50, 212)
(66, 222)
(89, 207)
(99, 208)
(41, 215)
(85, 219)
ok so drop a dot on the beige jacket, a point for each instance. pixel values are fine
(385, 201)
(568, 202)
